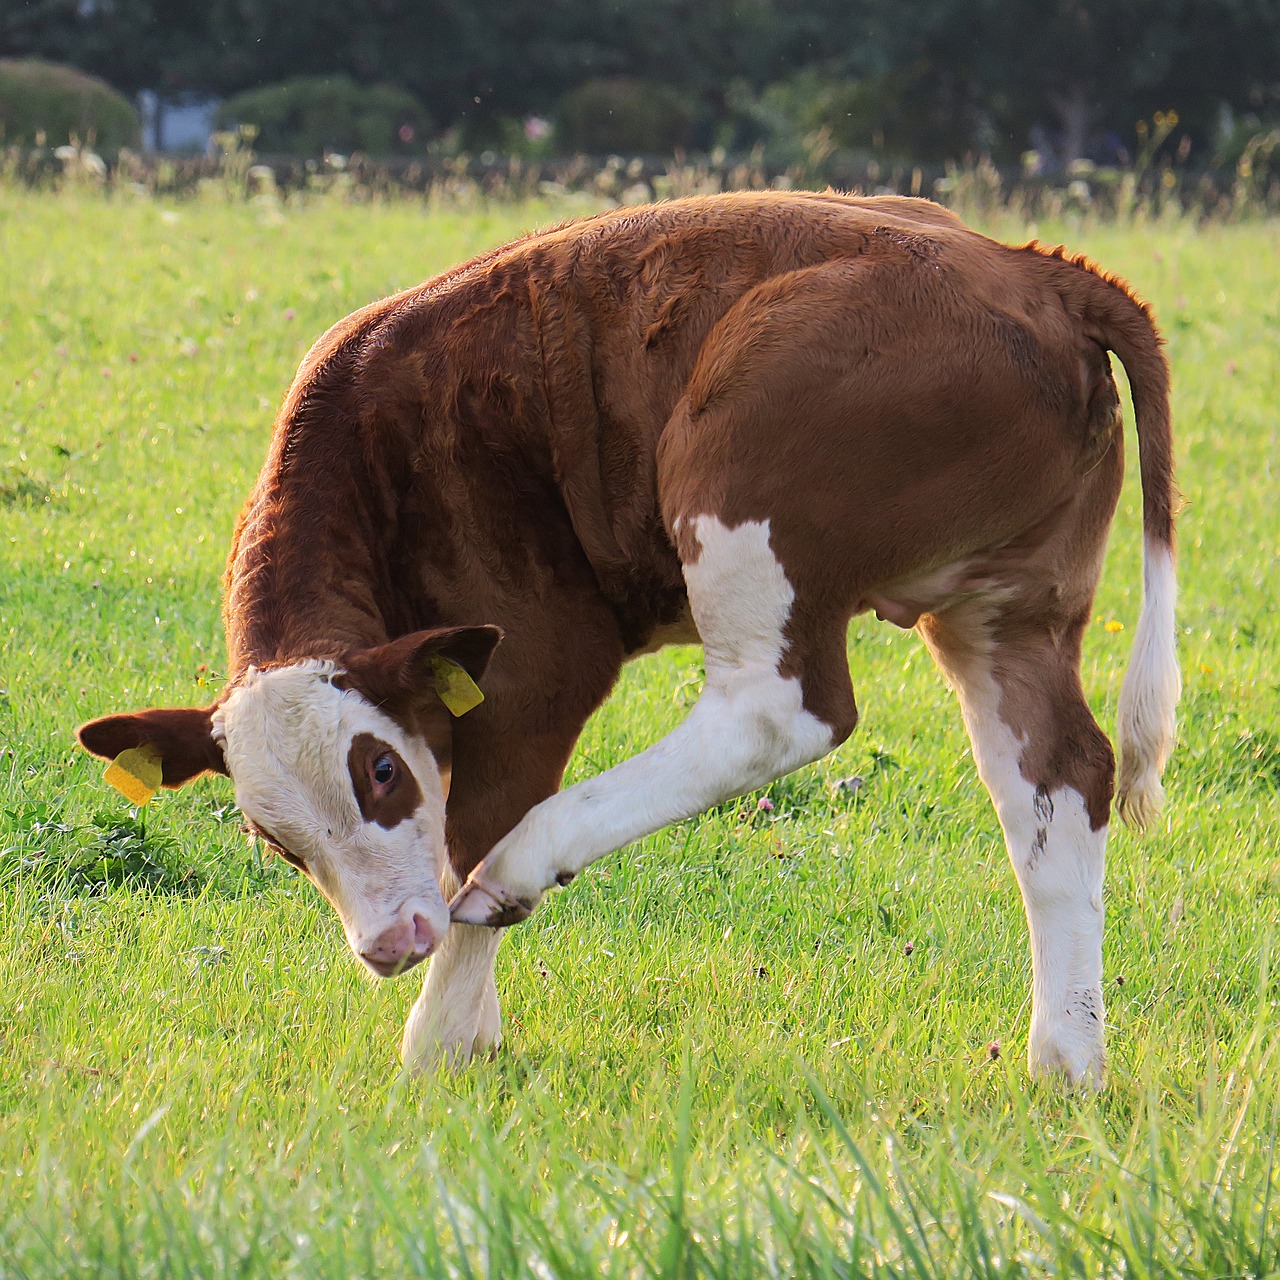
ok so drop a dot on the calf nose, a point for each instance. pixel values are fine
(400, 947)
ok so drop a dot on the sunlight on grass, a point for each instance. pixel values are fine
(774, 1042)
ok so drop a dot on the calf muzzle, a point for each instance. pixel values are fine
(399, 948)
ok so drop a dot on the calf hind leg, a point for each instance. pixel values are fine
(1050, 770)
(776, 696)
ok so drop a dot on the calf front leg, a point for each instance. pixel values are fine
(501, 770)
(456, 1015)
(770, 704)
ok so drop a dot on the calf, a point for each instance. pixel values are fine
(737, 420)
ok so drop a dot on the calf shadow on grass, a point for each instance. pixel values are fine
(20, 488)
(108, 852)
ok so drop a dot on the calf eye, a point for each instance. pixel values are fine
(384, 770)
(384, 786)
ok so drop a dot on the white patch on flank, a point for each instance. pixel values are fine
(748, 727)
(1150, 692)
(286, 734)
(1060, 863)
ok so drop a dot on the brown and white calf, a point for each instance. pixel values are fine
(738, 420)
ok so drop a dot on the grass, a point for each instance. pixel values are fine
(762, 1043)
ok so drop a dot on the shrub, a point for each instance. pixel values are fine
(43, 98)
(895, 114)
(853, 111)
(624, 115)
(310, 115)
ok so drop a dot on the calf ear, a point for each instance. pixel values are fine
(404, 670)
(181, 736)
(470, 647)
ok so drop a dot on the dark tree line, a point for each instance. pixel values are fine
(937, 77)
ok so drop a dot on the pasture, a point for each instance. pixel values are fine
(784, 1039)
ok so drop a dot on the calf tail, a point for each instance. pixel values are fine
(1152, 684)
(1150, 691)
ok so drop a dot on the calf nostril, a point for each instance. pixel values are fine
(405, 944)
(424, 936)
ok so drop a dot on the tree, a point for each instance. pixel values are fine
(1087, 64)
(947, 75)
(1075, 66)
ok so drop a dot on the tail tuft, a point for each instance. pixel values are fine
(1150, 692)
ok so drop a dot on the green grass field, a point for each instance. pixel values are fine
(784, 1043)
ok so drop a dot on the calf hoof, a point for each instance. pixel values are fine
(425, 1056)
(1070, 1066)
(477, 903)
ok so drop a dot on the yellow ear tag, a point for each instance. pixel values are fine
(457, 690)
(136, 773)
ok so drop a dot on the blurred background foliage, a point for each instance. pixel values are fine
(928, 81)
(42, 101)
(310, 115)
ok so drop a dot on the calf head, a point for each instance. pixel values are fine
(342, 766)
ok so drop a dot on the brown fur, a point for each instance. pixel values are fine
(387, 806)
(514, 442)
(397, 678)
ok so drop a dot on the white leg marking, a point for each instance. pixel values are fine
(489, 1028)
(456, 1013)
(1149, 693)
(1060, 863)
(748, 727)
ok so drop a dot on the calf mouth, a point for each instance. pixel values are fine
(393, 968)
